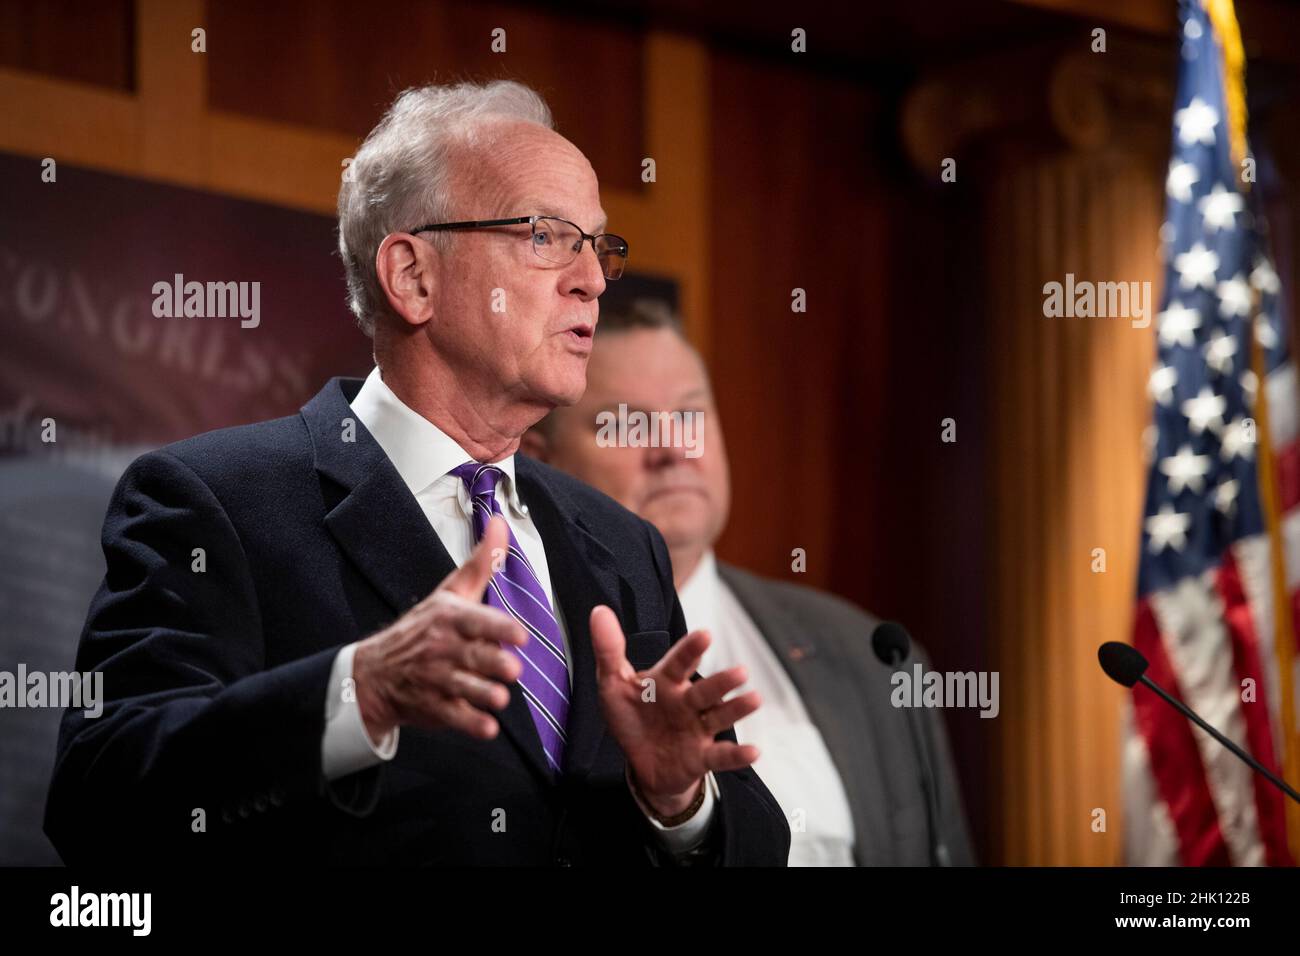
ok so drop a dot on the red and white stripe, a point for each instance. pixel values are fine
(1189, 801)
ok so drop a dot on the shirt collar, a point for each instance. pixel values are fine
(699, 595)
(421, 452)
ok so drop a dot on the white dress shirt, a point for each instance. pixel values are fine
(424, 456)
(794, 761)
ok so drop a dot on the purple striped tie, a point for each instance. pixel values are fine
(515, 589)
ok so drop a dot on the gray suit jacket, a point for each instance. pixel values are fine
(824, 643)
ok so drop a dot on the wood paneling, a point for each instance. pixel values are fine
(334, 65)
(87, 41)
(833, 416)
(792, 208)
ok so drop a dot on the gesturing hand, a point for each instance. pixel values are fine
(668, 739)
(441, 664)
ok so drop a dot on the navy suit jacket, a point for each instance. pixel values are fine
(209, 746)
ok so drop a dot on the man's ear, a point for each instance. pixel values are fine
(535, 445)
(406, 269)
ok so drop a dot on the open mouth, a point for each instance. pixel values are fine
(579, 337)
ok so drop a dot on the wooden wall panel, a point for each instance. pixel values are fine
(833, 417)
(790, 209)
(332, 65)
(87, 41)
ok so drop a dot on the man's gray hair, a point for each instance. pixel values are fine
(400, 177)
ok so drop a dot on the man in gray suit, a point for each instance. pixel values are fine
(835, 753)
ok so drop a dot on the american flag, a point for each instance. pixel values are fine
(1221, 529)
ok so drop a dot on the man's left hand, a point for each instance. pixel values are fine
(664, 721)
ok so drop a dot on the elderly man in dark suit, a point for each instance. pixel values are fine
(837, 756)
(314, 630)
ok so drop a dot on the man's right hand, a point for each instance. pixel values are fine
(441, 664)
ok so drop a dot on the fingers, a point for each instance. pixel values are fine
(468, 719)
(683, 658)
(448, 696)
(726, 755)
(491, 662)
(478, 691)
(724, 715)
(470, 580)
(443, 663)
(609, 644)
(480, 622)
(707, 691)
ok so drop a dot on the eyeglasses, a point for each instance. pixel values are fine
(555, 240)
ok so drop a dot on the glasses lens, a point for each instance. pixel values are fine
(612, 252)
(556, 240)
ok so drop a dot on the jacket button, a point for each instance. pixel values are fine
(259, 803)
(243, 808)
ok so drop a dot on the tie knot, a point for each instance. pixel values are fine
(480, 479)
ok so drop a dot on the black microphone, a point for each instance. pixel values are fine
(892, 644)
(1124, 664)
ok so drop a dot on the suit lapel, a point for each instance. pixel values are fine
(583, 575)
(372, 515)
(379, 525)
(829, 696)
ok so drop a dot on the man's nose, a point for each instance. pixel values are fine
(669, 454)
(586, 278)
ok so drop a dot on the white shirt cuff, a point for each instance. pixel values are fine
(346, 746)
(689, 834)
